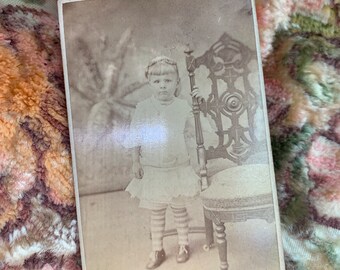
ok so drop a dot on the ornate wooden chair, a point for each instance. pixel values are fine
(244, 190)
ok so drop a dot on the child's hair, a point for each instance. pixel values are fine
(163, 65)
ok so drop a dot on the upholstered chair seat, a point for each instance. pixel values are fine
(242, 192)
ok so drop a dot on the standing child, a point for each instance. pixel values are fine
(161, 165)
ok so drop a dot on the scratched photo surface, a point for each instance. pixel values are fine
(108, 46)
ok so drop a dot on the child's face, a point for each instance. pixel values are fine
(163, 86)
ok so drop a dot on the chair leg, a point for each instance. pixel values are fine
(209, 233)
(222, 245)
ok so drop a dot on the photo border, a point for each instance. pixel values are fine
(70, 124)
(266, 123)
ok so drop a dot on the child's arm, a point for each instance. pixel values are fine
(205, 125)
(196, 93)
(136, 166)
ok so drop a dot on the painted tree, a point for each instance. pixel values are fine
(98, 82)
(100, 110)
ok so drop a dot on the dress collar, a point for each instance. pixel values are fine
(159, 106)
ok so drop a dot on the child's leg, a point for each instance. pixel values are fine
(157, 228)
(182, 223)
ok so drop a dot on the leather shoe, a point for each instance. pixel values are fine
(156, 259)
(183, 254)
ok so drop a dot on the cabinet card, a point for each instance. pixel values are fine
(169, 135)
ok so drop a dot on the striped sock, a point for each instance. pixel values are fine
(182, 224)
(157, 228)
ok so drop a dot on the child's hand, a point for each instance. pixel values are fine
(196, 93)
(137, 170)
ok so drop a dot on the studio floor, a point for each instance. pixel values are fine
(116, 236)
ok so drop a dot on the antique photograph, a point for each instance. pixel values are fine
(169, 135)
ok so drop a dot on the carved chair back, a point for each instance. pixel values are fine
(231, 104)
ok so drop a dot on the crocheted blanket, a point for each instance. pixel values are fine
(37, 208)
(300, 43)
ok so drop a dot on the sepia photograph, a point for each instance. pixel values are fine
(169, 135)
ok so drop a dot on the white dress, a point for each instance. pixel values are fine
(159, 131)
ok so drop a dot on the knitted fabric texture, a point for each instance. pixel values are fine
(38, 225)
(301, 54)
